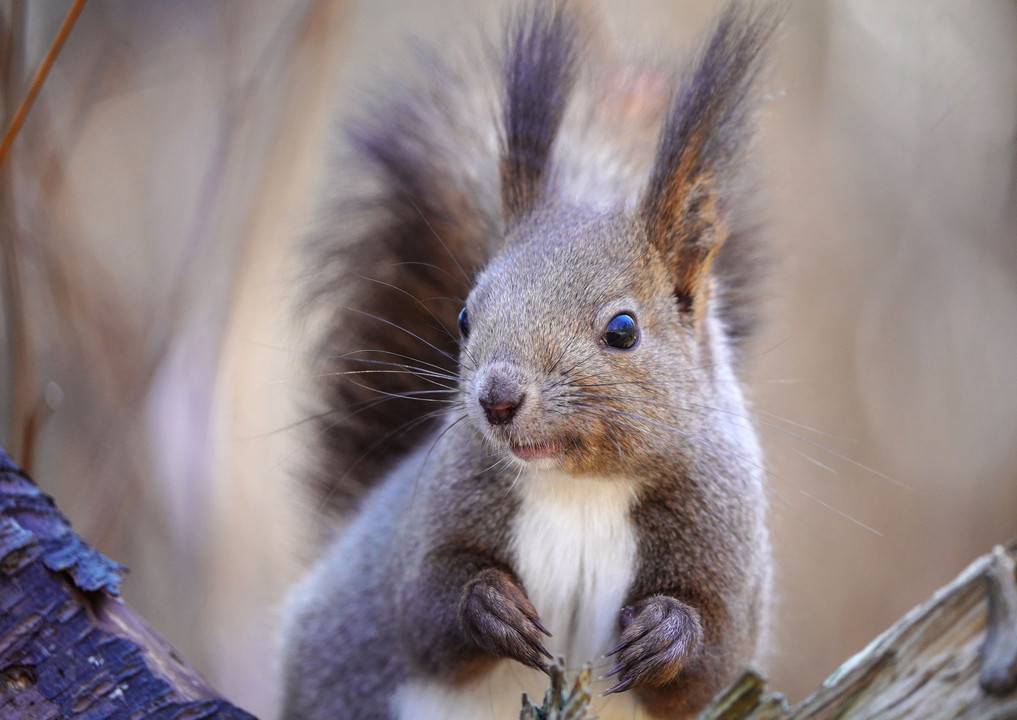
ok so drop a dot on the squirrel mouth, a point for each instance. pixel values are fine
(537, 451)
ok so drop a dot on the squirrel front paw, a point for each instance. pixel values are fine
(495, 613)
(658, 635)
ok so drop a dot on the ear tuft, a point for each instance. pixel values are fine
(542, 55)
(700, 143)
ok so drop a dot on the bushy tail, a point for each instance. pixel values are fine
(394, 252)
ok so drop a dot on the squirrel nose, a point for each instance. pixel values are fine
(500, 411)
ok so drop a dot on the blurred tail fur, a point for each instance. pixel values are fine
(394, 250)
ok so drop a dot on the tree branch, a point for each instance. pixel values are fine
(69, 646)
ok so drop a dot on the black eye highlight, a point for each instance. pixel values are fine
(464, 324)
(622, 332)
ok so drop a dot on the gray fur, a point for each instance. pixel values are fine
(421, 585)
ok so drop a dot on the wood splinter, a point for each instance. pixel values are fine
(999, 654)
(560, 701)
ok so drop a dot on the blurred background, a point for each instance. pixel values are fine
(150, 213)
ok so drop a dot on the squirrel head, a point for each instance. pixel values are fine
(574, 344)
(591, 341)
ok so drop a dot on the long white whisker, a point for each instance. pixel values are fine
(438, 238)
(773, 426)
(412, 334)
(435, 370)
(706, 443)
(406, 395)
(427, 457)
(404, 428)
(679, 431)
(814, 444)
(843, 514)
(426, 309)
(431, 380)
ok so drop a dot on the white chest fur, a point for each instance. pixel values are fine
(574, 549)
(575, 552)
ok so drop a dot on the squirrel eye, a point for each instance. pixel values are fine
(464, 324)
(621, 332)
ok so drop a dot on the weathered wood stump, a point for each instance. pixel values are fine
(954, 657)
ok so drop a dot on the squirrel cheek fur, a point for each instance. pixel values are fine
(577, 472)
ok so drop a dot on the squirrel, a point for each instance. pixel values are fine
(537, 285)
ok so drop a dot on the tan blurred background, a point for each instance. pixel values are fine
(153, 203)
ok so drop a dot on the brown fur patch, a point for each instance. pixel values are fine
(684, 225)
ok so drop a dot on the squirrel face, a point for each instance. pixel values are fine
(577, 353)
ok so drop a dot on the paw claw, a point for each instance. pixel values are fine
(496, 614)
(542, 629)
(617, 688)
(615, 670)
(617, 648)
(657, 637)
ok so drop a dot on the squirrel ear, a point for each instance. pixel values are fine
(700, 144)
(542, 50)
